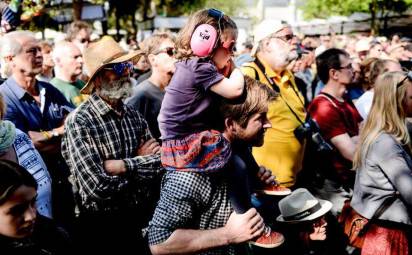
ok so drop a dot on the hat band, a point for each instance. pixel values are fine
(303, 214)
(118, 55)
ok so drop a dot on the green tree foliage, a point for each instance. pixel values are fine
(185, 7)
(326, 8)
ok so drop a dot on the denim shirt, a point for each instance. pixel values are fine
(26, 114)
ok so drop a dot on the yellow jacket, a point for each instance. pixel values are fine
(281, 152)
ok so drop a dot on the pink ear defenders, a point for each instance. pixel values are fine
(205, 37)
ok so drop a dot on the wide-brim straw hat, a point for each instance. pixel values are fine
(300, 206)
(100, 54)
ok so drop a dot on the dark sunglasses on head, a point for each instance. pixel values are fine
(120, 68)
(169, 51)
(407, 76)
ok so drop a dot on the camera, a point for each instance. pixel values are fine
(310, 130)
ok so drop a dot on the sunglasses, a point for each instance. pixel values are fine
(84, 40)
(349, 67)
(407, 76)
(120, 68)
(169, 51)
(229, 46)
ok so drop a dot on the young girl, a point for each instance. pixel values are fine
(186, 120)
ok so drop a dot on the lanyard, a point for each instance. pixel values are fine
(276, 88)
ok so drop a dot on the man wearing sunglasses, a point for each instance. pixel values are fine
(112, 155)
(148, 95)
(274, 50)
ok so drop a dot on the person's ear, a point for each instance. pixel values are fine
(230, 125)
(333, 74)
(97, 81)
(152, 59)
(265, 45)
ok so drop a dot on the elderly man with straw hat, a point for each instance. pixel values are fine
(112, 156)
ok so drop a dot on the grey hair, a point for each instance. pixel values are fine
(61, 48)
(10, 45)
(5, 71)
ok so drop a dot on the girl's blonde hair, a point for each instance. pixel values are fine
(386, 115)
(227, 28)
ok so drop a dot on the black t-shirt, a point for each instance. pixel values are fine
(147, 99)
(47, 239)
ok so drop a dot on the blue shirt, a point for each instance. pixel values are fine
(24, 111)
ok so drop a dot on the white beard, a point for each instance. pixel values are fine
(116, 90)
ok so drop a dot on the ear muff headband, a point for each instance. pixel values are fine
(205, 37)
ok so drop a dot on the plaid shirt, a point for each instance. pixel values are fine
(94, 132)
(191, 201)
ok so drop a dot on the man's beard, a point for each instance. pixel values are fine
(292, 55)
(116, 90)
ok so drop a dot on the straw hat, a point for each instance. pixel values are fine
(265, 29)
(301, 205)
(100, 54)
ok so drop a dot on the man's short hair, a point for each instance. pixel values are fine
(75, 27)
(60, 49)
(255, 99)
(329, 59)
(45, 44)
(151, 44)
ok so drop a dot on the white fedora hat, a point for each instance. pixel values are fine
(301, 205)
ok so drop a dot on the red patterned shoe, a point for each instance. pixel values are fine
(269, 239)
(275, 190)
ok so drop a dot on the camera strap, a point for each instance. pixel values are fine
(276, 88)
(330, 98)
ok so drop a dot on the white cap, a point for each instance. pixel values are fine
(362, 45)
(266, 28)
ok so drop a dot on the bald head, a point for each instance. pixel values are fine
(68, 61)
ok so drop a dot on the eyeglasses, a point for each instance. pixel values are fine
(120, 68)
(349, 67)
(286, 38)
(407, 76)
(168, 50)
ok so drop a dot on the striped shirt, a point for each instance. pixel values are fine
(94, 132)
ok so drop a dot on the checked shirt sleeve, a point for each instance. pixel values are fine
(147, 166)
(86, 164)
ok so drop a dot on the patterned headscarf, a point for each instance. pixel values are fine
(7, 135)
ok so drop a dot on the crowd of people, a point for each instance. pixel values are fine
(182, 145)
